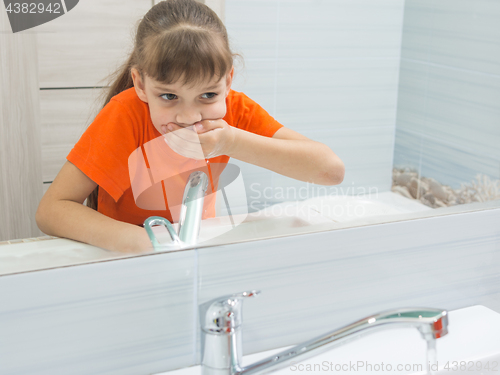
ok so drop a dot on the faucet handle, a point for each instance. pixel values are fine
(223, 314)
(249, 293)
(157, 220)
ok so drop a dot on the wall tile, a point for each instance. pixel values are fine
(461, 34)
(408, 148)
(367, 155)
(81, 48)
(65, 115)
(257, 80)
(412, 96)
(321, 94)
(340, 29)
(455, 114)
(417, 29)
(258, 185)
(463, 109)
(452, 165)
(466, 34)
(322, 66)
(131, 316)
(252, 27)
(20, 151)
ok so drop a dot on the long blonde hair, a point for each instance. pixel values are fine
(176, 39)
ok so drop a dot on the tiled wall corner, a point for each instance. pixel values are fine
(449, 89)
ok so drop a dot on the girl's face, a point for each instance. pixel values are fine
(181, 104)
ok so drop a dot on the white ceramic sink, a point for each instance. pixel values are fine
(295, 217)
(246, 227)
(473, 342)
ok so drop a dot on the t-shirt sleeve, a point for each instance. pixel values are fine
(103, 150)
(250, 116)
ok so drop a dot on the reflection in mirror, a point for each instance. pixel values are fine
(406, 93)
(431, 151)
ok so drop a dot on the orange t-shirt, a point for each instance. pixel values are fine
(138, 174)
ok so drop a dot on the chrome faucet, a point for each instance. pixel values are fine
(190, 215)
(221, 335)
(192, 207)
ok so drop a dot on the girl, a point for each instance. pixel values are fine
(176, 85)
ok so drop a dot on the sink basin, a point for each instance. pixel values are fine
(343, 208)
(472, 343)
(294, 217)
(218, 230)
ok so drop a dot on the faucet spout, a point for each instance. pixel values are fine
(431, 323)
(225, 359)
(192, 207)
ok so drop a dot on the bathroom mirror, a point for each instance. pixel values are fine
(405, 92)
(395, 88)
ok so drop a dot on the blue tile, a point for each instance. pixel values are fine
(412, 96)
(367, 154)
(340, 276)
(456, 106)
(452, 165)
(466, 34)
(257, 80)
(417, 29)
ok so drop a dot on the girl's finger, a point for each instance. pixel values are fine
(185, 134)
(211, 124)
(188, 149)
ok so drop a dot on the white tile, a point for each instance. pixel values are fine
(460, 34)
(413, 98)
(47, 254)
(252, 27)
(458, 109)
(257, 80)
(65, 115)
(134, 316)
(84, 46)
(408, 148)
(417, 29)
(367, 156)
(453, 165)
(340, 28)
(321, 94)
(257, 185)
(466, 34)
(131, 316)
(461, 107)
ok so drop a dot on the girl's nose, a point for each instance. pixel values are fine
(188, 116)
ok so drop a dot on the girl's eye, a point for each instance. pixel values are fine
(168, 96)
(209, 95)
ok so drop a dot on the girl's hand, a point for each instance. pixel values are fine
(183, 140)
(203, 140)
(216, 137)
